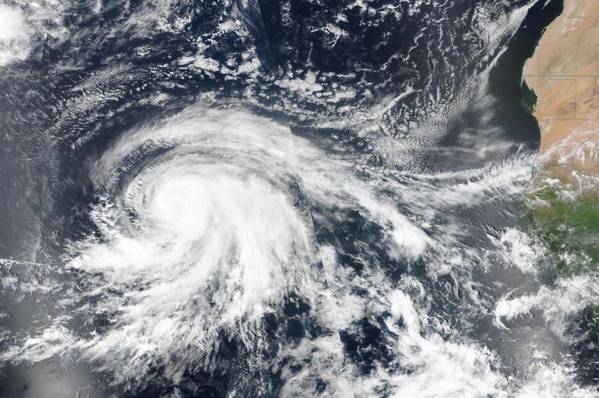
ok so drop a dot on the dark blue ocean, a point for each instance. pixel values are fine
(256, 198)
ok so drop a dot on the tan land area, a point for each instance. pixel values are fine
(564, 74)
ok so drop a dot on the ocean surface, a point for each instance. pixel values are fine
(245, 198)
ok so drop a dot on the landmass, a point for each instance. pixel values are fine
(563, 75)
(561, 88)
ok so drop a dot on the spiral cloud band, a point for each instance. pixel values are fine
(219, 233)
(206, 225)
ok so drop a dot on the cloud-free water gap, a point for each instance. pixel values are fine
(328, 211)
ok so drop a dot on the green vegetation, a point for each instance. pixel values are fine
(529, 98)
(569, 228)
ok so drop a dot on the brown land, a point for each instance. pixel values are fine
(564, 74)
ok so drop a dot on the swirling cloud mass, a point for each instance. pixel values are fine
(258, 199)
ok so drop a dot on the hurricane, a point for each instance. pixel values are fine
(260, 199)
(213, 220)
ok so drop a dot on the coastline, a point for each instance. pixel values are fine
(560, 86)
(563, 76)
(506, 77)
